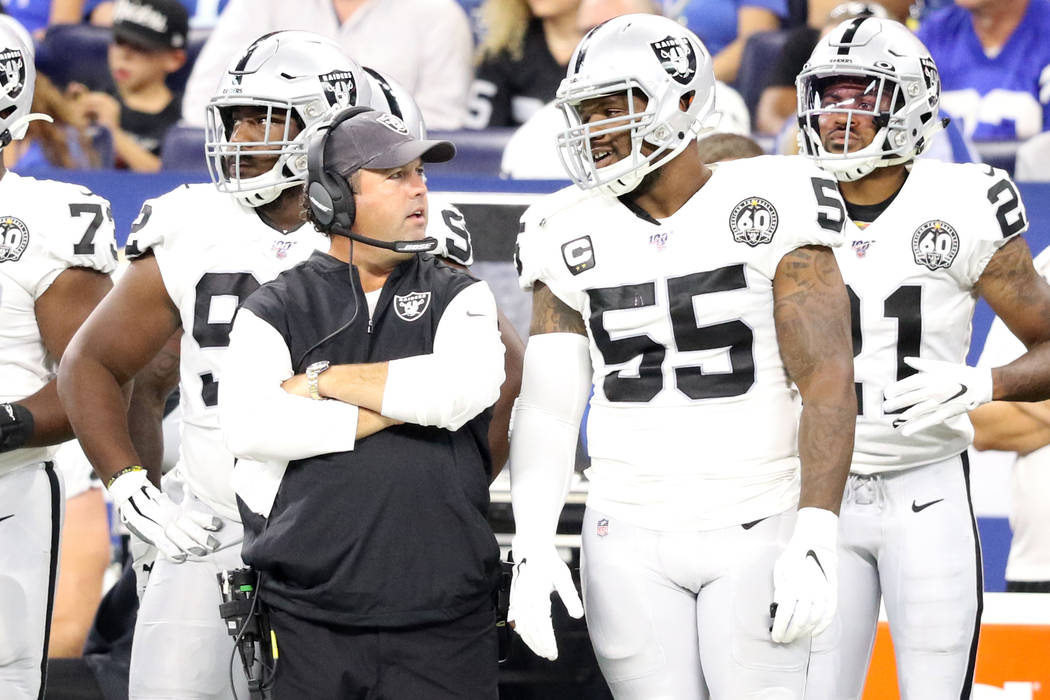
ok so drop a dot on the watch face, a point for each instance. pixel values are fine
(317, 367)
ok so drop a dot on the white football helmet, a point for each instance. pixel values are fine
(893, 64)
(388, 95)
(635, 54)
(17, 81)
(299, 73)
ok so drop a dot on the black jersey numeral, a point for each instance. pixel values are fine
(1009, 213)
(457, 237)
(217, 334)
(904, 305)
(691, 380)
(86, 245)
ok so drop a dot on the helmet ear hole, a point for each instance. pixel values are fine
(686, 100)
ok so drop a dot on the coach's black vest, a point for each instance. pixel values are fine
(392, 533)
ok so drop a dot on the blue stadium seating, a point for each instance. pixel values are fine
(183, 149)
(761, 52)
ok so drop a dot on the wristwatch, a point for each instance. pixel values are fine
(313, 373)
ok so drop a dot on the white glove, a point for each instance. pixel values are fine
(940, 390)
(805, 577)
(538, 572)
(155, 519)
(143, 556)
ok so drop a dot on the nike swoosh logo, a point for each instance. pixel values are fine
(915, 508)
(960, 393)
(471, 314)
(6, 517)
(820, 566)
(748, 526)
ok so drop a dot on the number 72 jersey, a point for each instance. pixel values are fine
(911, 276)
(693, 422)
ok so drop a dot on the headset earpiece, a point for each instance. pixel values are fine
(328, 194)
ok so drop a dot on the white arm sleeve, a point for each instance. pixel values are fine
(461, 377)
(260, 420)
(555, 386)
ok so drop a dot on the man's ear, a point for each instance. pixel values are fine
(174, 60)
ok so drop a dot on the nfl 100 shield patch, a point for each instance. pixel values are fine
(339, 88)
(13, 73)
(603, 527)
(677, 57)
(753, 221)
(935, 245)
(14, 238)
(409, 307)
(578, 254)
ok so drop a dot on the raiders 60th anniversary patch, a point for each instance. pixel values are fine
(935, 244)
(14, 238)
(753, 221)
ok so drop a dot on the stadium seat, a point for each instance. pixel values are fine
(183, 149)
(761, 52)
(75, 52)
(478, 153)
(999, 154)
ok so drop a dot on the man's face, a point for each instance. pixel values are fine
(858, 127)
(392, 204)
(607, 149)
(249, 125)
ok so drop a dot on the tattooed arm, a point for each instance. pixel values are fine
(552, 315)
(1020, 297)
(812, 317)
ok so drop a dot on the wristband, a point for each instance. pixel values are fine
(122, 472)
(16, 426)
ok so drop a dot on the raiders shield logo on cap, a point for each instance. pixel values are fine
(13, 73)
(677, 57)
(339, 88)
(409, 307)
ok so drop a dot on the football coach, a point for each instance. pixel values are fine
(356, 395)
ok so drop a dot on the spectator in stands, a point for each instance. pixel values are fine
(37, 15)
(147, 45)
(778, 101)
(720, 146)
(65, 142)
(522, 59)
(1022, 428)
(203, 13)
(725, 25)
(425, 45)
(993, 56)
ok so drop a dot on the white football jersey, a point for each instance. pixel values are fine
(46, 227)
(212, 253)
(693, 422)
(911, 275)
(446, 224)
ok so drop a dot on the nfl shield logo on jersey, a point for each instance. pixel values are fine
(13, 75)
(753, 221)
(603, 527)
(409, 307)
(14, 237)
(677, 57)
(861, 247)
(935, 245)
(339, 88)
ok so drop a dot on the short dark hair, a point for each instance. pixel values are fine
(724, 146)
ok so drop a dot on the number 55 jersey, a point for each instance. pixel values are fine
(693, 421)
(911, 277)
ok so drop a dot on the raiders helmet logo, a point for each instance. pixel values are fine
(13, 73)
(935, 245)
(578, 254)
(753, 221)
(339, 88)
(14, 238)
(932, 78)
(677, 57)
(393, 123)
(409, 307)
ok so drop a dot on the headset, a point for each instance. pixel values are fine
(331, 200)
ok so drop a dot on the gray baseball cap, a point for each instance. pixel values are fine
(377, 141)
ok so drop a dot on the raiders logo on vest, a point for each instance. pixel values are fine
(677, 57)
(753, 221)
(935, 245)
(14, 238)
(409, 307)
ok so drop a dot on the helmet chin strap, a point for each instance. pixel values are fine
(17, 130)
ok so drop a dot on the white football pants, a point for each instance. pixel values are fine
(181, 649)
(31, 507)
(911, 538)
(685, 615)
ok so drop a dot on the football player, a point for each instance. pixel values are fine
(926, 238)
(691, 296)
(57, 251)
